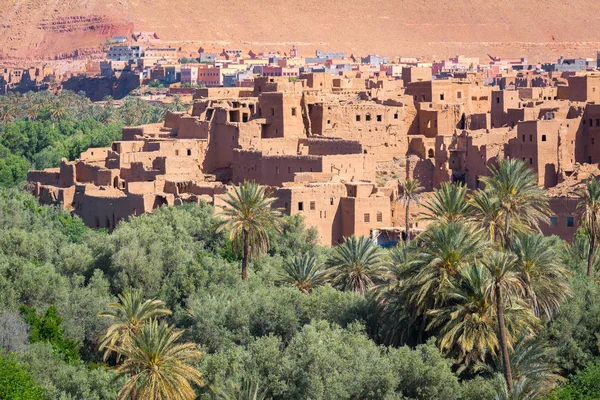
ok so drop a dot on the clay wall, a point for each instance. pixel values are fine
(283, 113)
(318, 80)
(95, 154)
(564, 218)
(67, 173)
(589, 140)
(324, 146)
(360, 215)
(415, 74)
(502, 101)
(50, 176)
(537, 144)
(380, 129)
(319, 205)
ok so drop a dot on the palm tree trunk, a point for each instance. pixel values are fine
(590, 267)
(407, 221)
(502, 337)
(245, 257)
(507, 231)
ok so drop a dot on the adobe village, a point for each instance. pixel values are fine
(335, 149)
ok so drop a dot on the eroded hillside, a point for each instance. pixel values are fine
(536, 28)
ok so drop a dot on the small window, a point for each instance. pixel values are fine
(543, 138)
(459, 95)
(368, 117)
(313, 206)
(189, 152)
(293, 111)
(396, 116)
(277, 170)
(530, 160)
(554, 222)
(497, 100)
(523, 137)
(379, 216)
(358, 118)
(379, 118)
(570, 222)
(331, 201)
(300, 206)
(441, 96)
(531, 138)
(328, 121)
(272, 111)
(597, 122)
(176, 153)
(367, 218)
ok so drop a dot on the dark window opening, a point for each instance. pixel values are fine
(554, 222)
(379, 217)
(367, 218)
(368, 117)
(293, 111)
(189, 152)
(570, 222)
(300, 206)
(543, 138)
(379, 118)
(441, 96)
(313, 206)
(530, 160)
(358, 118)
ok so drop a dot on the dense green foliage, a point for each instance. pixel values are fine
(419, 321)
(46, 328)
(15, 382)
(38, 129)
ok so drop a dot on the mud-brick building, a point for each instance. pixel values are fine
(334, 149)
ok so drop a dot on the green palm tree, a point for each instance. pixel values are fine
(401, 260)
(304, 272)
(545, 278)
(466, 327)
(446, 249)
(356, 265)
(248, 218)
(534, 371)
(521, 200)
(485, 213)
(8, 113)
(447, 204)
(504, 286)
(128, 315)
(163, 367)
(589, 203)
(57, 110)
(411, 192)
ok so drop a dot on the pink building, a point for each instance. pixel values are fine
(210, 77)
(189, 75)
